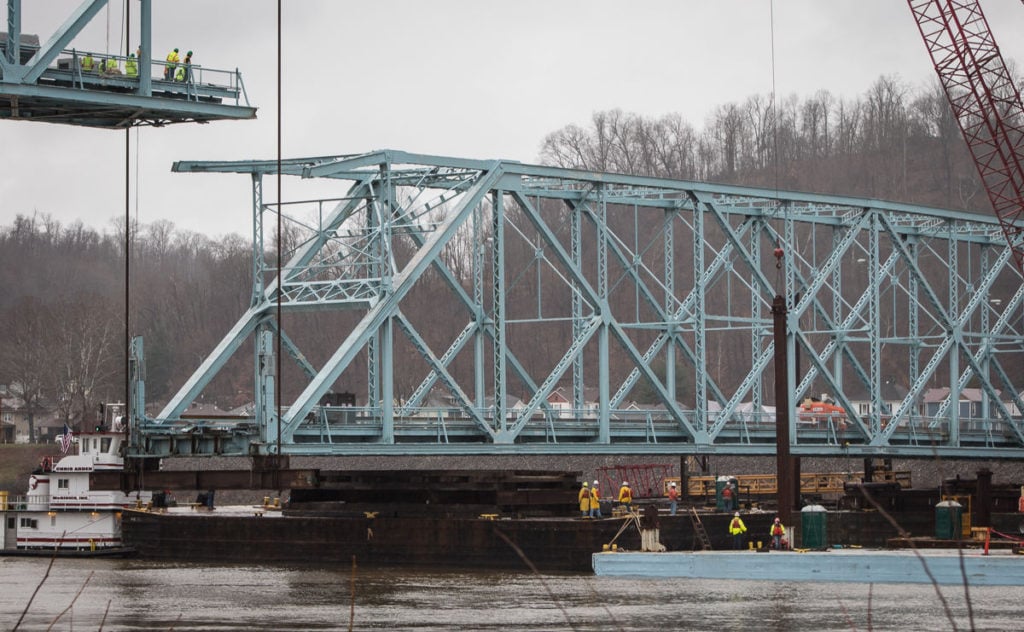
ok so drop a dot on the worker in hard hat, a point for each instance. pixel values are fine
(131, 66)
(112, 67)
(188, 67)
(673, 498)
(626, 496)
(87, 62)
(595, 501)
(736, 530)
(777, 531)
(172, 62)
(584, 500)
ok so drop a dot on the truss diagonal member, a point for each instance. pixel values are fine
(605, 313)
(626, 262)
(654, 304)
(855, 313)
(456, 287)
(39, 62)
(293, 350)
(388, 304)
(974, 368)
(717, 265)
(305, 253)
(453, 349)
(213, 362)
(548, 385)
(953, 329)
(446, 378)
(809, 297)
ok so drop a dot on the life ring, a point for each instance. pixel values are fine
(33, 482)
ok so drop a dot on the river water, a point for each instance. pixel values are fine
(150, 595)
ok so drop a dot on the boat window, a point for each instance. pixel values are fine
(30, 523)
(53, 520)
(105, 445)
(10, 523)
(62, 483)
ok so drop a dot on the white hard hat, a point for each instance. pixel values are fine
(595, 482)
(625, 484)
(737, 514)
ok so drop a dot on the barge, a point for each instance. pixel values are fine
(941, 566)
(493, 541)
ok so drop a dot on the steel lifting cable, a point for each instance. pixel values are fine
(127, 238)
(280, 267)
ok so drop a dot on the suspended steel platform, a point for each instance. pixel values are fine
(54, 83)
(495, 307)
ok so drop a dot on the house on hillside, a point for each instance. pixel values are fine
(969, 404)
(13, 411)
(892, 395)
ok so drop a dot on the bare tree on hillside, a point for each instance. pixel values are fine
(24, 356)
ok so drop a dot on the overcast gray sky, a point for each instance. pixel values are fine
(467, 78)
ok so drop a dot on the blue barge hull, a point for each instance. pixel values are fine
(835, 565)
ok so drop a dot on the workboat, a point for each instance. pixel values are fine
(61, 513)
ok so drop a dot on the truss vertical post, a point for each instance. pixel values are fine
(756, 331)
(14, 31)
(604, 419)
(266, 407)
(498, 297)
(837, 310)
(137, 381)
(146, 56)
(480, 335)
(874, 335)
(259, 266)
(387, 371)
(575, 246)
(700, 369)
(985, 343)
(952, 259)
(672, 326)
(372, 345)
(913, 322)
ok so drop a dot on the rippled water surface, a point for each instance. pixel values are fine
(146, 595)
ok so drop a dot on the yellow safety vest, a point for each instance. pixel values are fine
(130, 68)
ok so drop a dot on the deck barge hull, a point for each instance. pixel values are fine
(550, 544)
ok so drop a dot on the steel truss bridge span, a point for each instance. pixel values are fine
(490, 306)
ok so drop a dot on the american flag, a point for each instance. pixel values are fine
(65, 439)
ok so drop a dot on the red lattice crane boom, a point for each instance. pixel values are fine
(985, 102)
